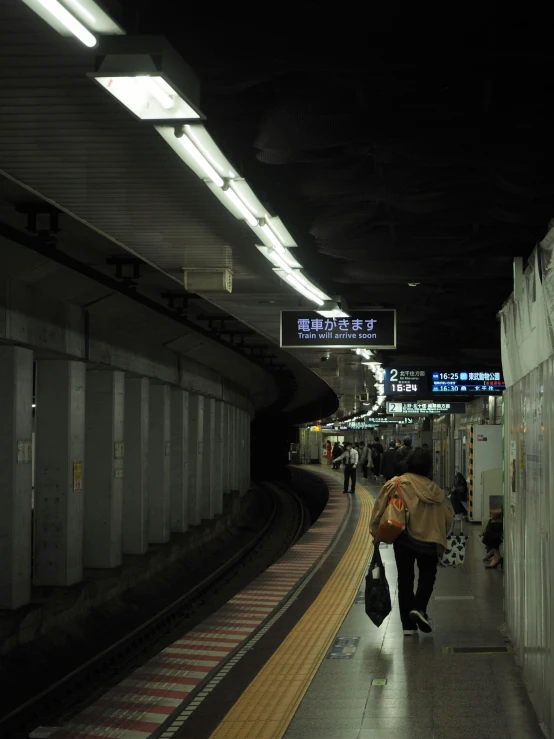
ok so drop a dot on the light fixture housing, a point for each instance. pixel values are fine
(208, 164)
(333, 313)
(313, 288)
(148, 77)
(292, 278)
(284, 261)
(89, 20)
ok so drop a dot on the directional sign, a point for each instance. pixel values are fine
(372, 422)
(424, 409)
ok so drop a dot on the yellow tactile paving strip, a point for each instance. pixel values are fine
(267, 706)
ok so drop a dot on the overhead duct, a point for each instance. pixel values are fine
(208, 269)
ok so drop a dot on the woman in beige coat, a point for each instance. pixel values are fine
(429, 521)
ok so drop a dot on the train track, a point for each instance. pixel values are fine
(65, 697)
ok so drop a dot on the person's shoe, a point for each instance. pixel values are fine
(410, 632)
(422, 620)
(489, 556)
(494, 565)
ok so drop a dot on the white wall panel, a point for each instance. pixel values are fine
(529, 513)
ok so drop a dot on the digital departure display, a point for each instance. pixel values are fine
(371, 329)
(420, 383)
(406, 381)
(488, 383)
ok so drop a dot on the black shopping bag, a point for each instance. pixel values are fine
(377, 594)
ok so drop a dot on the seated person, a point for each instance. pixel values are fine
(492, 539)
(458, 495)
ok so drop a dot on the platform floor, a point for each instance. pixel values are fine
(428, 694)
(295, 656)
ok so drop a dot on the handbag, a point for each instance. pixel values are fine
(395, 518)
(377, 594)
(455, 552)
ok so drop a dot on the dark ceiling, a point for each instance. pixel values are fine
(397, 148)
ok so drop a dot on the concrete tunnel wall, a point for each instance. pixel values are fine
(133, 442)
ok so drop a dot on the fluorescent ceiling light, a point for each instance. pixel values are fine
(269, 238)
(334, 313)
(239, 206)
(283, 261)
(62, 20)
(88, 12)
(292, 279)
(312, 288)
(210, 151)
(248, 197)
(149, 97)
(276, 225)
(201, 161)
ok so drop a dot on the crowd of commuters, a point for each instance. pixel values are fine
(371, 458)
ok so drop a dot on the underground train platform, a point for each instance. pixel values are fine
(237, 245)
(294, 655)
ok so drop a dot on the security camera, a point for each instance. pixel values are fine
(325, 357)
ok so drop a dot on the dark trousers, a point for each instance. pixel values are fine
(349, 474)
(457, 504)
(407, 601)
(364, 468)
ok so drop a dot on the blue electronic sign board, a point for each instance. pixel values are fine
(462, 382)
(411, 382)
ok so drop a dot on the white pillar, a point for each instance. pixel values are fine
(196, 434)
(16, 397)
(159, 460)
(59, 467)
(135, 482)
(103, 484)
(219, 458)
(234, 446)
(208, 460)
(179, 478)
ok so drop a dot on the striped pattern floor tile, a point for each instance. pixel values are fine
(142, 702)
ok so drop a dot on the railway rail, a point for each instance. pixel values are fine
(56, 703)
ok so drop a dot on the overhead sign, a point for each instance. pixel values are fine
(406, 381)
(424, 409)
(372, 329)
(425, 383)
(485, 383)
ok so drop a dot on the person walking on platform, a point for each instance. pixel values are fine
(350, 457)
(401, 455)
(388, 461)
(337, 451)
(424, 539)
(376, 453)
(364, 458)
